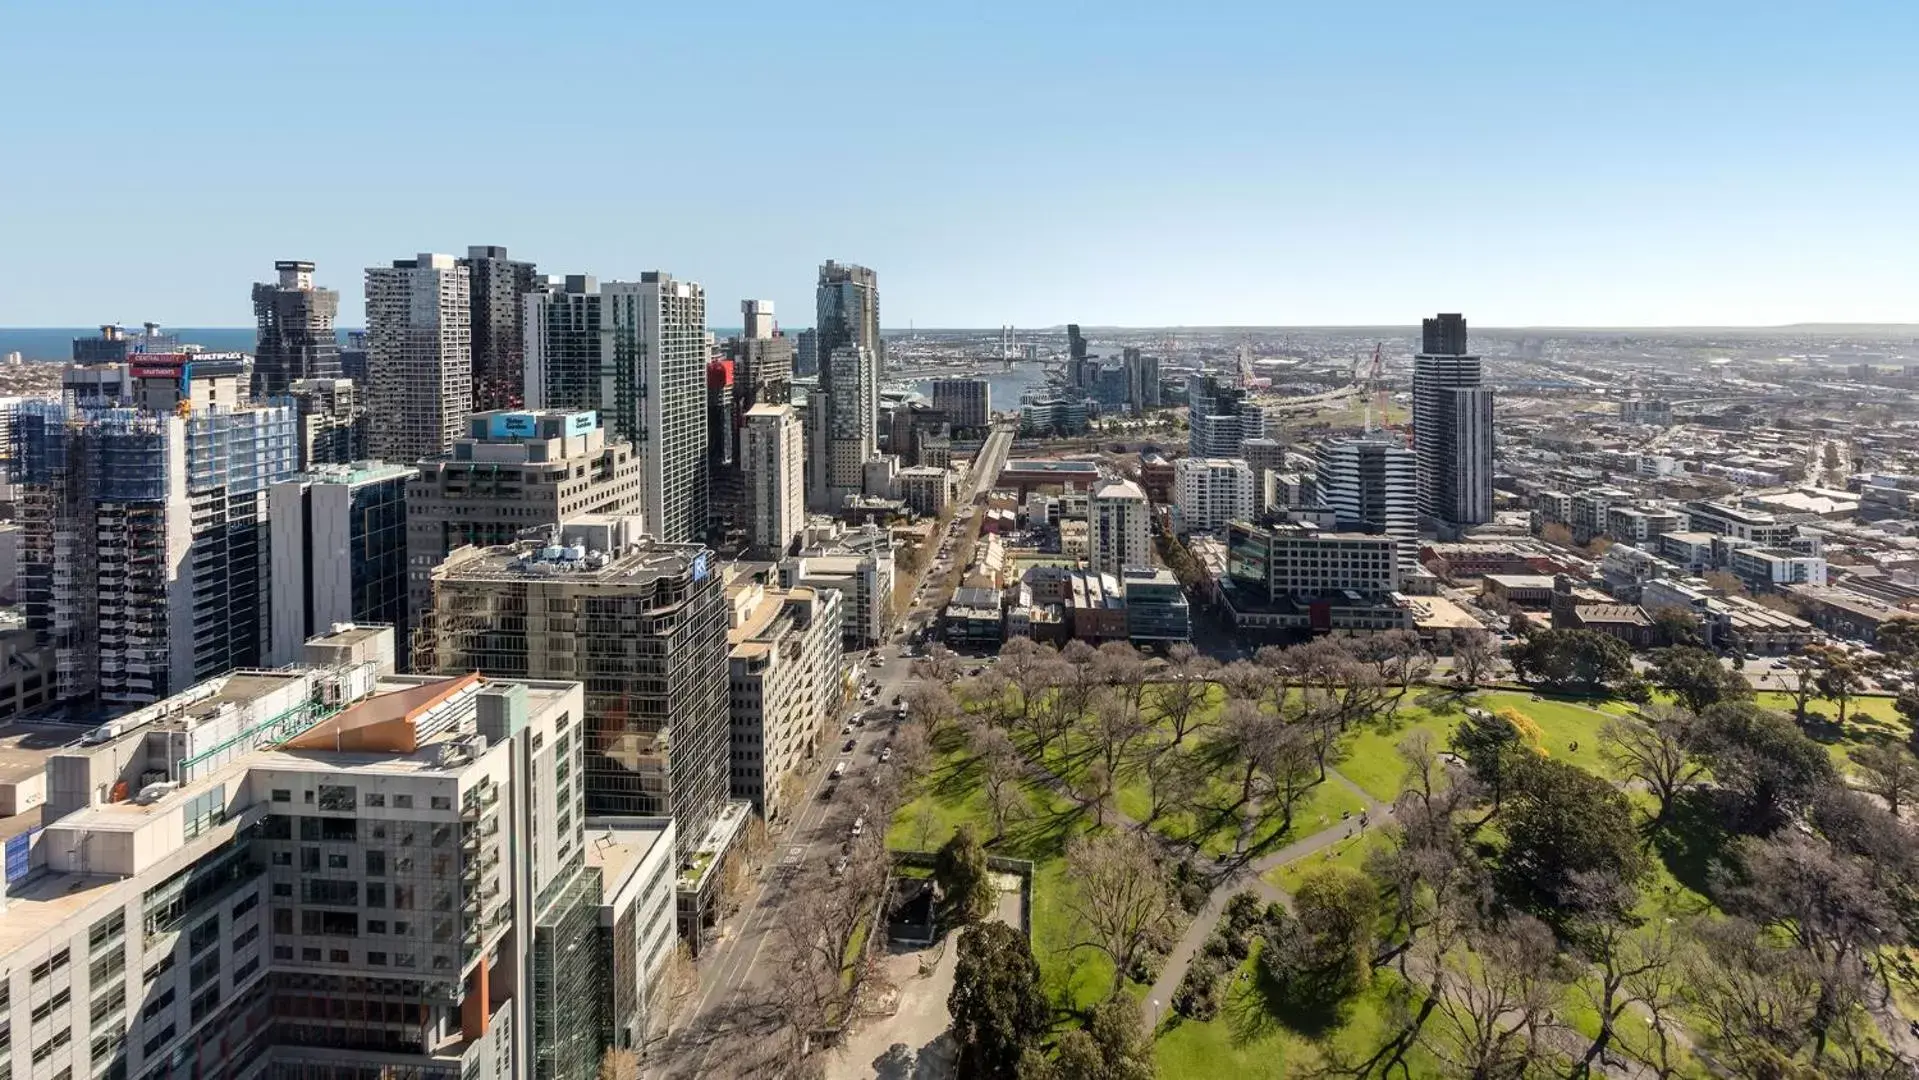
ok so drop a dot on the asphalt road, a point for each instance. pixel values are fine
(726, 1033)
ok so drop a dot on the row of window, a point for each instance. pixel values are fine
(335, 798)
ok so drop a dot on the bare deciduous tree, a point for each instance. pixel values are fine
(1657, 751)
(1889, 771)
(1118, 730)
(1120, 900)
(1496, 1007)
(1173, 778)
(1180, 700)
(1000, 766)
(1474, 656)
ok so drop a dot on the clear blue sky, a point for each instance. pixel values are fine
(1108, 162)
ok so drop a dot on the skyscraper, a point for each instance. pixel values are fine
(1142, 379)
(569, 353)
(419, 356)
(657, 725)
(1372, 484)
(762, 359)
(967, 403)
(294, 321)
(144, 556)
(806, 353)
(497, 284)
(850, 353)
(772, 459)
(1452, 428)
(659, 334)
(1222, 418)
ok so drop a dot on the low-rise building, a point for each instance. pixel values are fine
(633, 857)
(1764, 569)
(858, 563)
(1842, 612)
(925, 489)
(1533, 592)
(974, 619)
(1293, 578)
(1157, 612)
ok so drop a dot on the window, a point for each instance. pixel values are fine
(107, 931)
(241, 973)
(203, 936)
(160, 1039)
(276, 827)
(374, 798)
(107, 966)
(281, 794)
(376, 926)
(283, 952)
(45, 969)
(246, 937)
(442, 802)
(246, 904)
(339, 893)
(336, 861)
(310, 859)
(375, 894)
(338, 956)
(45, 1050)
(376, 959)
(376, 864)
(403, 802)
(52, 1005)
(283, 889)
(160, 967)
(310, 955)
(109, 1004)
(309, 828)
(158, 1005)
(204, 811)
(282, 858)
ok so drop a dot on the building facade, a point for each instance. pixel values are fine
(497, 285)
(967, 403)
(376, 876)
(773, 464)
(419, 356)
(784, 678)
(1452, 427)
(294, 326)
(846, 405)
(1210, 492)
(144, 555)
(339, 543)
(1118, 532)
(512, 472)
(333, 421)
(1373, 487)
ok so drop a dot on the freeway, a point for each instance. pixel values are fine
(728, 1032)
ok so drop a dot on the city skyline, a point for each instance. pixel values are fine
(1715, 165)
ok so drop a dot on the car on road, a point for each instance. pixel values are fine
(839, 866)
(886, 754)
(859, 825)
(846, 728)
(839, 767)
(851, 744)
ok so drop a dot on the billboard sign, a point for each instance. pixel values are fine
(581, 423)
(514, 425)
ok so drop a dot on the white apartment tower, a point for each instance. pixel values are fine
(1372, 484)
(1117, 534)
(1452, 427)
(419, 356)
(773, 458)
(784, 672)
(658, 330)
(1211, 492)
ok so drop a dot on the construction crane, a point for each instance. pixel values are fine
(1375, 394)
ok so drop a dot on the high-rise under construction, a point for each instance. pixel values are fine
(144, 557)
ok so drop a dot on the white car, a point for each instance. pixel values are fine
(859, 825)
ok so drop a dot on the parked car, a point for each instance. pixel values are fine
(850, 745)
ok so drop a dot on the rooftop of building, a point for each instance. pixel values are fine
(1119, 489)
(1050, 466)
(24, 748)
(1847, 600)
(617, 846)
(1520, 581)
(1439, 613)
(347, 635)
(1691, 537)
(360, 472)
(1622, 614)
(638, 564)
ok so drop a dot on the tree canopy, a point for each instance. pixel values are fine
(998, 1007)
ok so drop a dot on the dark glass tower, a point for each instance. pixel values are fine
(295, 327)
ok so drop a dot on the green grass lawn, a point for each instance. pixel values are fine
(1561, 724)
(1348, 853)
(1247, 1041)
(952, 794)
(1370, 756)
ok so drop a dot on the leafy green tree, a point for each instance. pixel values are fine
(1563, 824)
(1337, 909)
(1841, 677)
(1490, 742)
(1907, 706)
(998, 1007)
(1584, 660)
(960, 871)
(1677, 627)
(1761, 762)
(1898, 639)
(1696, 678)
(1113, 1046)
